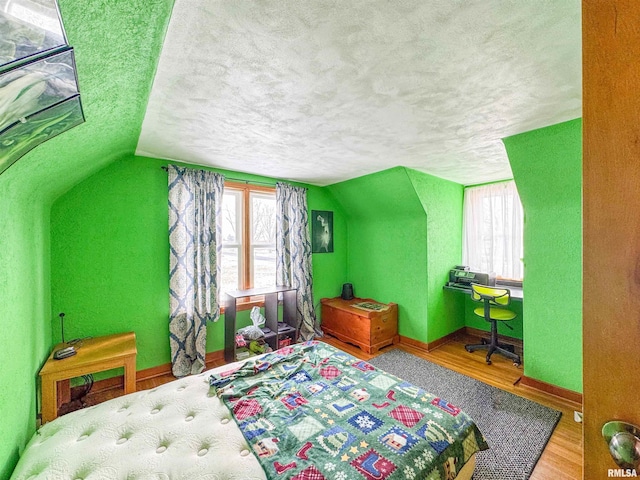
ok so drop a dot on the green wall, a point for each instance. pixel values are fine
(442, 202)
(387, 251)
(116, 46)
(24, 312)
(404, 236)
(110, 257)
(547, 168)
(329, 269)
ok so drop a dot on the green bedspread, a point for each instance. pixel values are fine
(311, 411)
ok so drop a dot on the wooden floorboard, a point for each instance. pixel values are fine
(562, 457)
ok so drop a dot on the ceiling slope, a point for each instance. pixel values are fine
(323, 91)
(117, 45)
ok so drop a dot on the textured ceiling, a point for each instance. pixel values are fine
(323, 91)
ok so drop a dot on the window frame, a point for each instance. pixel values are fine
(252, 243)
(500, 280)
(246, 246)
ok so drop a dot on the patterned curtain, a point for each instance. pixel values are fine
(293, 252)
(195, 199)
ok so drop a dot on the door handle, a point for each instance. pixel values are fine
(623, 440)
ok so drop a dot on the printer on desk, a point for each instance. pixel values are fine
(461, 277)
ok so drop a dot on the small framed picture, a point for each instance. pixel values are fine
(321, 231)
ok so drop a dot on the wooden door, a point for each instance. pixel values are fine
(611, 228)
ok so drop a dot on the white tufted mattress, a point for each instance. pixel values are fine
(176, 431)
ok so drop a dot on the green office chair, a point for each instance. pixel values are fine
(493, 299)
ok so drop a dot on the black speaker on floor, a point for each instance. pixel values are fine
(347, 291)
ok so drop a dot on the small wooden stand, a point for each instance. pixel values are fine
(287, 328)
(94, 355)
(368, 329)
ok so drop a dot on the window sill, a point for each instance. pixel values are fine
(505, 282)
(247, 304)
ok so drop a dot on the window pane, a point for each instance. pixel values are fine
(492, 230)
(263, 218)
(264, 267)
(230, 268)
(231, 217)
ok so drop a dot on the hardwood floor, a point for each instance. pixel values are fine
(562, 457)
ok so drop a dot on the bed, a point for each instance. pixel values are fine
(304, 412)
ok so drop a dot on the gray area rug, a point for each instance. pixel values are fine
(516, 429)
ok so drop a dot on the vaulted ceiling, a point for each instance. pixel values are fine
(311, 90)
(322, 91)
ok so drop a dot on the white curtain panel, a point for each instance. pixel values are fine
(293, 252)
(492, 230)
(195, 200)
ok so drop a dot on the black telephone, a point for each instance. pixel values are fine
(64, 353)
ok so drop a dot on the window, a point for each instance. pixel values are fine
(492, 230)
(248, 237)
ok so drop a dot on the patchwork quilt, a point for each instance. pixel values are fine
(313, 412)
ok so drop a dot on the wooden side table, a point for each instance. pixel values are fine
(94, 355)
(368, 329)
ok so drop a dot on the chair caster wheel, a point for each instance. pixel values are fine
(488, 362)
(467, 349)
(516, 364)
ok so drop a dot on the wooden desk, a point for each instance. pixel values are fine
(94, 355)
(516, 293)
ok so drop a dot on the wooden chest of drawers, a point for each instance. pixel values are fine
(369, 330)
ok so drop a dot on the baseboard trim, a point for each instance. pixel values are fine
(414, 343)
(551, 389)
(475, 332)
(211, 359)
(544, 387)
(430, 346)
(443, 340)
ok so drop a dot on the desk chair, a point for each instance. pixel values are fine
(493, 299)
